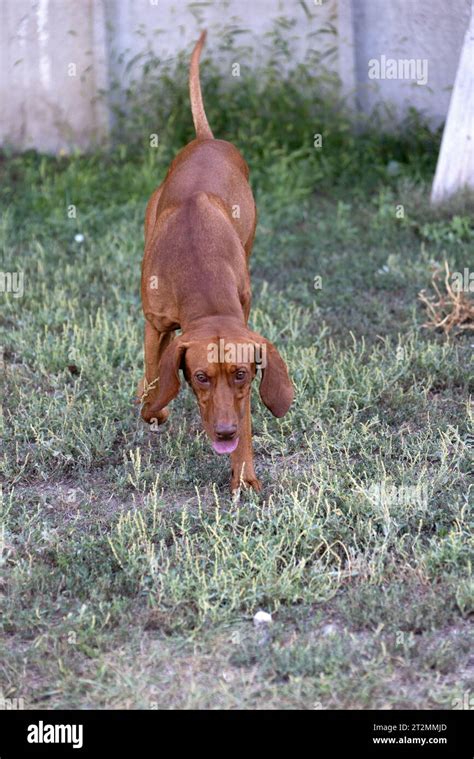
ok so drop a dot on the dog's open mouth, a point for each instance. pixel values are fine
(225, 446)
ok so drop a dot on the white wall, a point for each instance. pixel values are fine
(410, 29)
(43, 106)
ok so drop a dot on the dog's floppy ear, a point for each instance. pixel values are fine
(276, 389)
(168, 379)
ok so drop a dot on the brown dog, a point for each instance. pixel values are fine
(199, 230)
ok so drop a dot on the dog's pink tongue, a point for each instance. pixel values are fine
(225, 446)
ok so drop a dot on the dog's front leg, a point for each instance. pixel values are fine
(243, 472)
(155, 344)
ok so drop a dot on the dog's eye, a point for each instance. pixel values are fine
(240, 375)
(201, 377)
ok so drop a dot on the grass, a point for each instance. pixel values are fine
(129, 578)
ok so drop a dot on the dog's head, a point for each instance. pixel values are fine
(220, 372)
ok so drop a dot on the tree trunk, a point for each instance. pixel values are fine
(455, 168)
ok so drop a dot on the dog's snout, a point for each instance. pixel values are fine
(225, 431)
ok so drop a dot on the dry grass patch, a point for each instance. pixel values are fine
(453, 310)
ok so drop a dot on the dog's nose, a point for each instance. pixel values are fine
(225, 431)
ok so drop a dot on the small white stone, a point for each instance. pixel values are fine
(78, 238)
(393, 168)
(262, 618)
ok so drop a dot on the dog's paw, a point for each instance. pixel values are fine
(154, 418)
(243, 484)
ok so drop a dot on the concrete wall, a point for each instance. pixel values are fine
(56, 56)
(52, 63)
(410, 29)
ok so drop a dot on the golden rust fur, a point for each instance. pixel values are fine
(199, 230)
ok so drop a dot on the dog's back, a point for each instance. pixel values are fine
(209, 166)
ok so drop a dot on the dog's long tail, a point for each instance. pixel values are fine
(203, 130)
